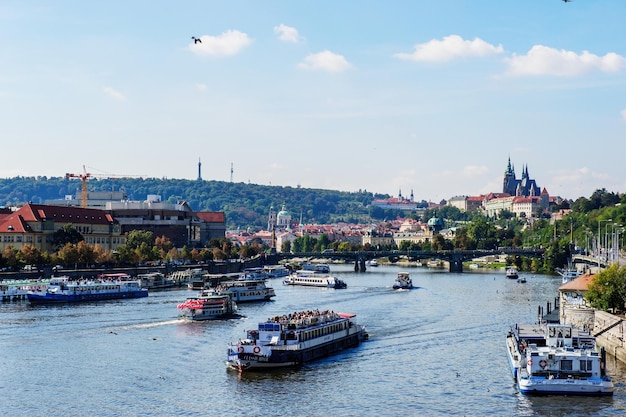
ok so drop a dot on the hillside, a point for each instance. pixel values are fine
(245, 205)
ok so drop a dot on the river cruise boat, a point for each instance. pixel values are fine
(293, 339)
(314, 279)
(556, 359)
(209, 307)
(15, 290)
(63, 290)
(156, 281)
(276, 271)
(511, 272)
(403, 281)
(318, 268)
(255, 274)
(243, 290)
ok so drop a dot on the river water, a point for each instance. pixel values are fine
(437, 350)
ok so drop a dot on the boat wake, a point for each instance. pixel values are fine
(148, 325)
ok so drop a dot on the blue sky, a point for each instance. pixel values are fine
(429, 96)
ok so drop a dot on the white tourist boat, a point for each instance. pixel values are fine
(156, 281)
(403, 281)
(13, 290)
(314, 279)
(208, 307)
(276, 271)
(64, 290)
(255, 274)
(293, 339)
(556, 359)
(243, 290)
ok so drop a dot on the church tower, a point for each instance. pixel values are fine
(509, 184)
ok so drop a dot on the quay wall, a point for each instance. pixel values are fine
(612, 340)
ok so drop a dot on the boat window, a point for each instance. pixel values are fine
(586, 365)
(566, 365)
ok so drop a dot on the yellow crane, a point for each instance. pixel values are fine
(83, 179)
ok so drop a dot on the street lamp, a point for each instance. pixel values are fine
(599, 239)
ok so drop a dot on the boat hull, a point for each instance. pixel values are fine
(545, 386)
(289, 357)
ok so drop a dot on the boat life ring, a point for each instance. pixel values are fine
(530, 362)
(240, 349)
(257, 349)
(521, 348)
(543, 364)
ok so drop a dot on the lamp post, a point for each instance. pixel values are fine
(600, 239)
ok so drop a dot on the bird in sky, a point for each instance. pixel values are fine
(196, 40)
(567, 1)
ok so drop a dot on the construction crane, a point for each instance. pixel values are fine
(84, 178)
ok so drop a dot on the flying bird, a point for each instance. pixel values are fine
(567, 1)
(196, 40)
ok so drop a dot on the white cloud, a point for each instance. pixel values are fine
(286, 33)
(326, 61)
(114, 93)
(202, 87)
(475, 170)
(623, 113)
(230, 42)
(450, 47)
(543, 60)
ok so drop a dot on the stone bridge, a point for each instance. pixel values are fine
(455, 258)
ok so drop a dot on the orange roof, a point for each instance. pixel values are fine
(579, 284)
(211, 216)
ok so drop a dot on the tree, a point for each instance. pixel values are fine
(607, 289)
(66, 234)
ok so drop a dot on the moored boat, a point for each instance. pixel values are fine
(373, 263)
(243, 290)
(209, 307)
(293, 339)
(63, 290)
(403, 281)
(511, 272)
(556, 359)
(314, 279)
(276, 271)
(156, 281)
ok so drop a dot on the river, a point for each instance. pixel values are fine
(437, 350)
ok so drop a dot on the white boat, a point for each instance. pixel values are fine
(276, 271)
(293, 339)
(256, 273)
(155, 281)
(569, 273)
(243, 290)
(64, 290)
(373, 263)
(188, 276)
(314, 279)
(556, 359)
(319, 268)
(13, 290)
(403, 281)
(511, 272)
(208, 307)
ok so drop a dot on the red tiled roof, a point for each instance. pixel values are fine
(63, 214)
(212, 216)
(579, 284)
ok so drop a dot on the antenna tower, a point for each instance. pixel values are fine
(231, 172)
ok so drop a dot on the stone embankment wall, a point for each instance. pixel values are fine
(612, 340)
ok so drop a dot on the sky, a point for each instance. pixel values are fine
(432, 97)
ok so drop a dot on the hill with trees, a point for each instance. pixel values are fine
(246, 205)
